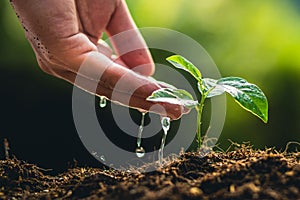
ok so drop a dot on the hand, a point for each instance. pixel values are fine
(64, 34)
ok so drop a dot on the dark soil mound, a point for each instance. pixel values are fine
(240, 174)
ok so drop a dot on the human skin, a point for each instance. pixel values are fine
(65, 34)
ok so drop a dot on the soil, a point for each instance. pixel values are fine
(242, 173)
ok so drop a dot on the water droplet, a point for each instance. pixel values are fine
(140, 152)
(102, 102)
(94, 153)
(165, 122)
(102, 158)
(141, 128)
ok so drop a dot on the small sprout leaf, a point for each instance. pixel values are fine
(182, 63)
(173, 96)
(211, 88)
(248, 95)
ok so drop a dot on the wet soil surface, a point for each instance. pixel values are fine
(242, 173)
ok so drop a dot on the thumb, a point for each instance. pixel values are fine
(128, 42)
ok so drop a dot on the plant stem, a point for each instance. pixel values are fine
(199, 109)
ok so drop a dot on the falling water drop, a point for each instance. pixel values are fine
(102, 158)
(165, 122)
(141, 128)
(102, 102)
(140, 152)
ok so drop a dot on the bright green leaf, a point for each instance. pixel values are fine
(182, 63)
(211, 87)
(173, 96)
(248, 95)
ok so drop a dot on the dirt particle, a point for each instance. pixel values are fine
(290, 173)
(194, 191)
(232, 188)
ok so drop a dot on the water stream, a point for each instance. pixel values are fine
(140, 152)
(165, 122)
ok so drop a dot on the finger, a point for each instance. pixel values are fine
(128, 42)
(104, 48)
(136, 99)
(94, 16)
(99, 75)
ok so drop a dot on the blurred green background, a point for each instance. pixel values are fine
(257, 40)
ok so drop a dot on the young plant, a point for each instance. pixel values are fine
(247, 95)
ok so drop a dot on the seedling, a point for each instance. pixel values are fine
(247, 95)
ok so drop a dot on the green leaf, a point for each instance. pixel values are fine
(249, 96)
(182, 63)
(211, 87)
(173, 96)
